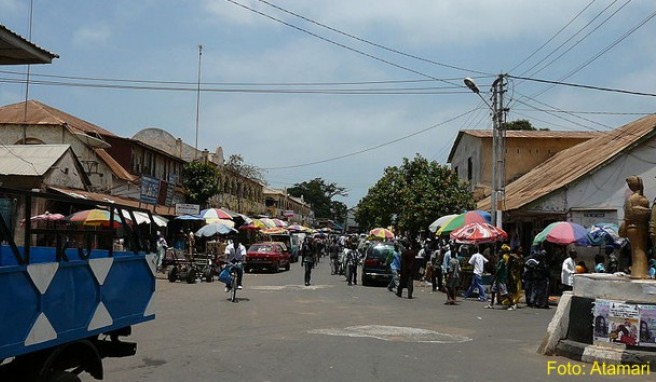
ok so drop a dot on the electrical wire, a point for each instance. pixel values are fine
(371, 148)
(600, 88)
(370, 42)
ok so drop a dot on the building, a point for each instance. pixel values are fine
(279, 204)
(584, 183)
(471, 154)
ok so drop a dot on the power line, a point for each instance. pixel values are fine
(600, 88)
(589, 112)
(373, 147)
(369, 42)
(339, 44)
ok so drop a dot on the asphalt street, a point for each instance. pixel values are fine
(281, 330)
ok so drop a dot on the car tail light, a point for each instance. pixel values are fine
(370, 262)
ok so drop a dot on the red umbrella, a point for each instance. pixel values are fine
(214, 214)
(478, 233)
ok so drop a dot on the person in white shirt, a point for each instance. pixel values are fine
(478, 261)
(568, 270)
(235, 253)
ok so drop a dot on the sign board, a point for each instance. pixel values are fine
(288, 213)
(186, 209)
(627, 323)
(149, 190)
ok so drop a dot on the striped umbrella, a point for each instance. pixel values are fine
(275, 231)
(478, 233)
(381, 233)
(563, 233)
(94, 217)
(475, 216)
(268, 222)
(212, 215)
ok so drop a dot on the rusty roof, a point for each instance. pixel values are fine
(99, 197)
(42, 114)
(16, 50)
(118, 170)
(573, 163)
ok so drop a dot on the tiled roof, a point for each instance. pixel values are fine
(41, 114)
(571, 164)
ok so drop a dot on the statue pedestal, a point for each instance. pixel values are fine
(572, 334)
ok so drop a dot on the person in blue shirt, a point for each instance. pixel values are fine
(652, 269)
(395, 267)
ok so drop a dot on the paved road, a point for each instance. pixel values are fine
(281, 330)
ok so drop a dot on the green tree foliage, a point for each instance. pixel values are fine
(319, 194)
(200, 181)
(235, 163)
(412, 196)
(521, 124)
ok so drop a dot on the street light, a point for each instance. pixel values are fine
(497, 153)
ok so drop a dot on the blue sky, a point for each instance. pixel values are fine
(273, 83)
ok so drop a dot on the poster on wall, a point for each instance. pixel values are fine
(647, 325)
(600, 320)
(624, 321)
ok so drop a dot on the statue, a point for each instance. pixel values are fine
(636, 226)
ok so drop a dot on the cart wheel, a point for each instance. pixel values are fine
(173, 274)
(191, 276)
(208, 276)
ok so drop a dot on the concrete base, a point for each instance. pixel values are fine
(610, 287)
(574, 307)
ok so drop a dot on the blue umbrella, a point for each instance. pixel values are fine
(604, 233)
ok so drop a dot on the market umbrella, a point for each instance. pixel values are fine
(299, 228)
(268, 222)
(275, 231)
(474, 216)
(478, 233)
(94, 217)
(214, 214)
(250, 227)
(604, 233)
(434, 226)
(280, 223)
(45, 217)
(213, 229)
(381, 233)
(563, 233)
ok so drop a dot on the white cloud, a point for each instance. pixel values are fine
(92, 34)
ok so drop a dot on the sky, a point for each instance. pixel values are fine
(334, 89)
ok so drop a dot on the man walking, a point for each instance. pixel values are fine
(307, 259)
(567, 271)
(407, 270)
(478, 261)
(352, 259)
(394, 264)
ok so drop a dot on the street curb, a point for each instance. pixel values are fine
(557, 329)
(605, 354)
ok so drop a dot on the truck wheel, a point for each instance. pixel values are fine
(63, 376)
(191, 276)
(173, 274)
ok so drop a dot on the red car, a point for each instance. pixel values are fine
(270, 255)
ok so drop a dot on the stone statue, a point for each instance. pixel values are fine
(636, 226)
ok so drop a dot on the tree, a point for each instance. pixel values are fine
(236, 164)
(412, 196)
(200, 181)
(319, 194)
(521, 124)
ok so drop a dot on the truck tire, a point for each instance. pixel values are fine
(63, 376)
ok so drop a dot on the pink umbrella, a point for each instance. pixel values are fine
(214, 214)
(478, 233)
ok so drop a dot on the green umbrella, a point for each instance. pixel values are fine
(475, 216)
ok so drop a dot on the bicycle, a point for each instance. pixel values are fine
(233, 277)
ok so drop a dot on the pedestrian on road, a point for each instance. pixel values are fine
(307, 259)
(436, 261)
(352, 260)
(452, 280)
(407, 269)
(394, 264)
(541, 275)
(528, 271)
(478, 261)
(162, 245)
(568, 270)
(499, 288)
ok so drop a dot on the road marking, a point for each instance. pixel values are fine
(394, 333)
(296, 286)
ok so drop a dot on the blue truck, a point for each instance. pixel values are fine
(69, 290)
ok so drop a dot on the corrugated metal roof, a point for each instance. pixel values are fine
(41, 114)
(79, 194)
(569, 165)
(29, 160)
(118, 170)
(16, 50)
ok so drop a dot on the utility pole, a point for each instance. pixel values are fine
(498, 151)
(200, 56)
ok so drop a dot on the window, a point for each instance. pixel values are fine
(470, 168)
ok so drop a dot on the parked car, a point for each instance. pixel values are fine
(373, 265)
(270, 255)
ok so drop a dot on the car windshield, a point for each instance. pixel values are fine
(261, 248)
(381, 251)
